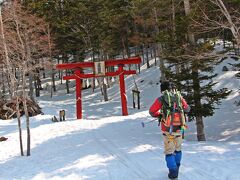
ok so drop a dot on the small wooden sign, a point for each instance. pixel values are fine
(99, 68)
(136, 95)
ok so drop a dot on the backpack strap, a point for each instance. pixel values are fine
(170, 109)
(172, 115)
(179, 105)
(166, 105)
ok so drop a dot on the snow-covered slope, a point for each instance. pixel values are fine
(105, 145)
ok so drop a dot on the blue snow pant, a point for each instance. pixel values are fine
(174, 160)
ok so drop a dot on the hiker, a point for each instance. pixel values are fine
(170, 108)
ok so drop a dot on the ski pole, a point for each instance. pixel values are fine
(143, 124)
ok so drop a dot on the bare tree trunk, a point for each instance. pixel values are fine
(93, 79)
(26, 114)
(31, 86)
(142, 48)
(125, 49)
(155, 54)
(200, 129)
(37, 90)
(148, 64)
(159, 48)
(67, 83)
(162, 67)
(44, 73)
(105, 95)
(9, 84)
(109, 83)
(6, 54)
(59, 71)
(3, 86)
(174, 19)
(53, 86)
(65, 59)
(191, 37)
(197, 102)
(93, 84)
(28, 54)
(104, 86)
(19, 127)
(39, 83)
(174, 30)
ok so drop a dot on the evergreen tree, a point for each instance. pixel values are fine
(195, 76)
(198, 86)
(116, 27)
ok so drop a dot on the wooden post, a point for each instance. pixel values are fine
(136, 94)
(122, 91)
(133, 99)
(78, 95)
(138, 99)
(62, 115)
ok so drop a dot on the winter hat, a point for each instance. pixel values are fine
(165, 85)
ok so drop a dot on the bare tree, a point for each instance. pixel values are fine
(223, 18)
(233, 20)
(159, 46)
(187, 9)
(24, 45)
(50, 47)
(8, 67)
(6, 59)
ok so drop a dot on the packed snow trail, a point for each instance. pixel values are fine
(111, 148)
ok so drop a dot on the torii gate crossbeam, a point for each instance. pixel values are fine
(78, 75)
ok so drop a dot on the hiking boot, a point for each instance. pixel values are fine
(173, 173)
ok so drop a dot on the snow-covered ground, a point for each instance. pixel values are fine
(108, 146)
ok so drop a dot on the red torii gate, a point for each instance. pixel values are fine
(78, 75)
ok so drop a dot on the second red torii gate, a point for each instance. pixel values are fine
(78, 75)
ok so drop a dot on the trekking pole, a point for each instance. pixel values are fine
(143, 124)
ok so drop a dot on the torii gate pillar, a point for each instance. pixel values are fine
(78, 95)
(122, 91)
